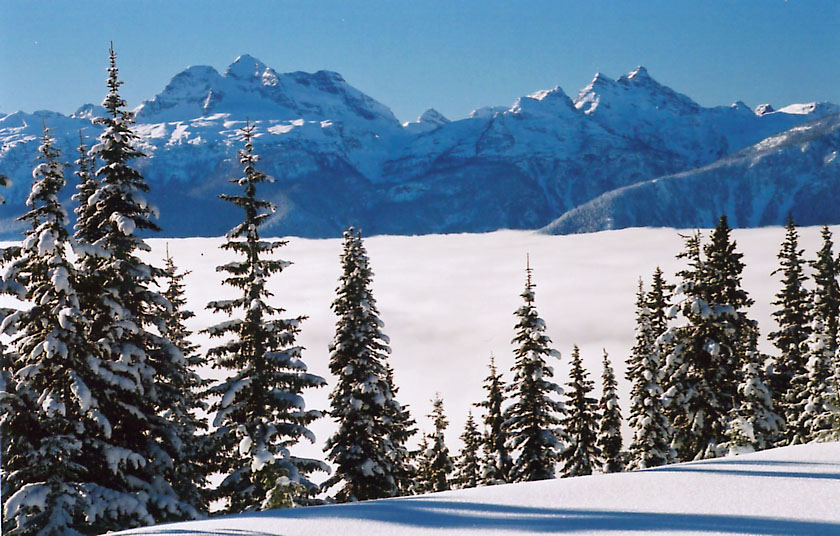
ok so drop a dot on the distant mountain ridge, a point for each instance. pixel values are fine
(340, 157)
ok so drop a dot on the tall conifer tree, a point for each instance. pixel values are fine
(47, 407)
(363, 404)
(709, 349)
(440, 463)
(609, 427)
(261, 412)
(533, 418)
(580, 424)
(468, 465)
(789, 372)
(497, 460)
(651, 443)
(182, 394)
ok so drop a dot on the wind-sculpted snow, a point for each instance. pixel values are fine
(795, 172)
(789, 491)
(341, 158)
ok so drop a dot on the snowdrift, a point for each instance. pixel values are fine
(791, 491)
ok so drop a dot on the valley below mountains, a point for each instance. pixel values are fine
(622, 153)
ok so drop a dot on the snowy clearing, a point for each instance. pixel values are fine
(785, 491)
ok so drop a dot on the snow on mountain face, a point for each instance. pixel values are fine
(428, 120)
(342, 158)
(794, 172)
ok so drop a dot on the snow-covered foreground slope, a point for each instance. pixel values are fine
(786, 491)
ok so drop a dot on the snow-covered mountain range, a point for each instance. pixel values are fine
(340, 157)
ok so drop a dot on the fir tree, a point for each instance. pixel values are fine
(753, 424)
(789, 367)
(261, 412)
(48, 409)
(363, 403)
(583, 454)
(819, 405)
(402, 428)
(139, 440)
(609, 428)
(497, 460)
(440, 463)
(709, 349)
(181, 395)
(650, 446)
(468, 466)
(87, 231)
(533, 417)
(423, 471)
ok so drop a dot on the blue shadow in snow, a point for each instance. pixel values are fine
(478, 517)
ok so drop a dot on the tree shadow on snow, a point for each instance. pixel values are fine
(477, 517)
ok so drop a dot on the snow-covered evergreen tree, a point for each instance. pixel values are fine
(580, 424)
(86, 230)
(793, 316)
(181, 395)
(468, 465)
(140, 441)
(423, 467)
(497, 460)
(440, 463)
(402, 428)
(48, 410)
(533, 417)
(819, 404)
(362, 403)
(261, 411)
(651, 444)
(609, 428)
(709, 348)
(753, 424)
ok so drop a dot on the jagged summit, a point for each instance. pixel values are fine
(429, 120)
(763, 109)
(640, 73)
(245, 67)
(249, 88)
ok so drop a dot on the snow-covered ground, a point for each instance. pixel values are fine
(787, 491)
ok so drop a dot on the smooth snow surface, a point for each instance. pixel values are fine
(786, 491)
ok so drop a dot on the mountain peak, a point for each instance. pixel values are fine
(639, 73)
(246, 66)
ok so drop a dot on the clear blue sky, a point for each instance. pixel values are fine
(411, 55)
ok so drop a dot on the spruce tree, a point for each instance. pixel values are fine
(497, 460)
(819, 404)
(181, 395)
(402, 427)
(652, 432)
(709, 349)
(753, 424)
(789, 368)
(609, 428)
(423, 467)
(86, 230)
(362, 403)
(48, 409)
(533, 417)
(440, 463)
(468, 465)
(261, 411)
(583, 454)
(127, 326)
